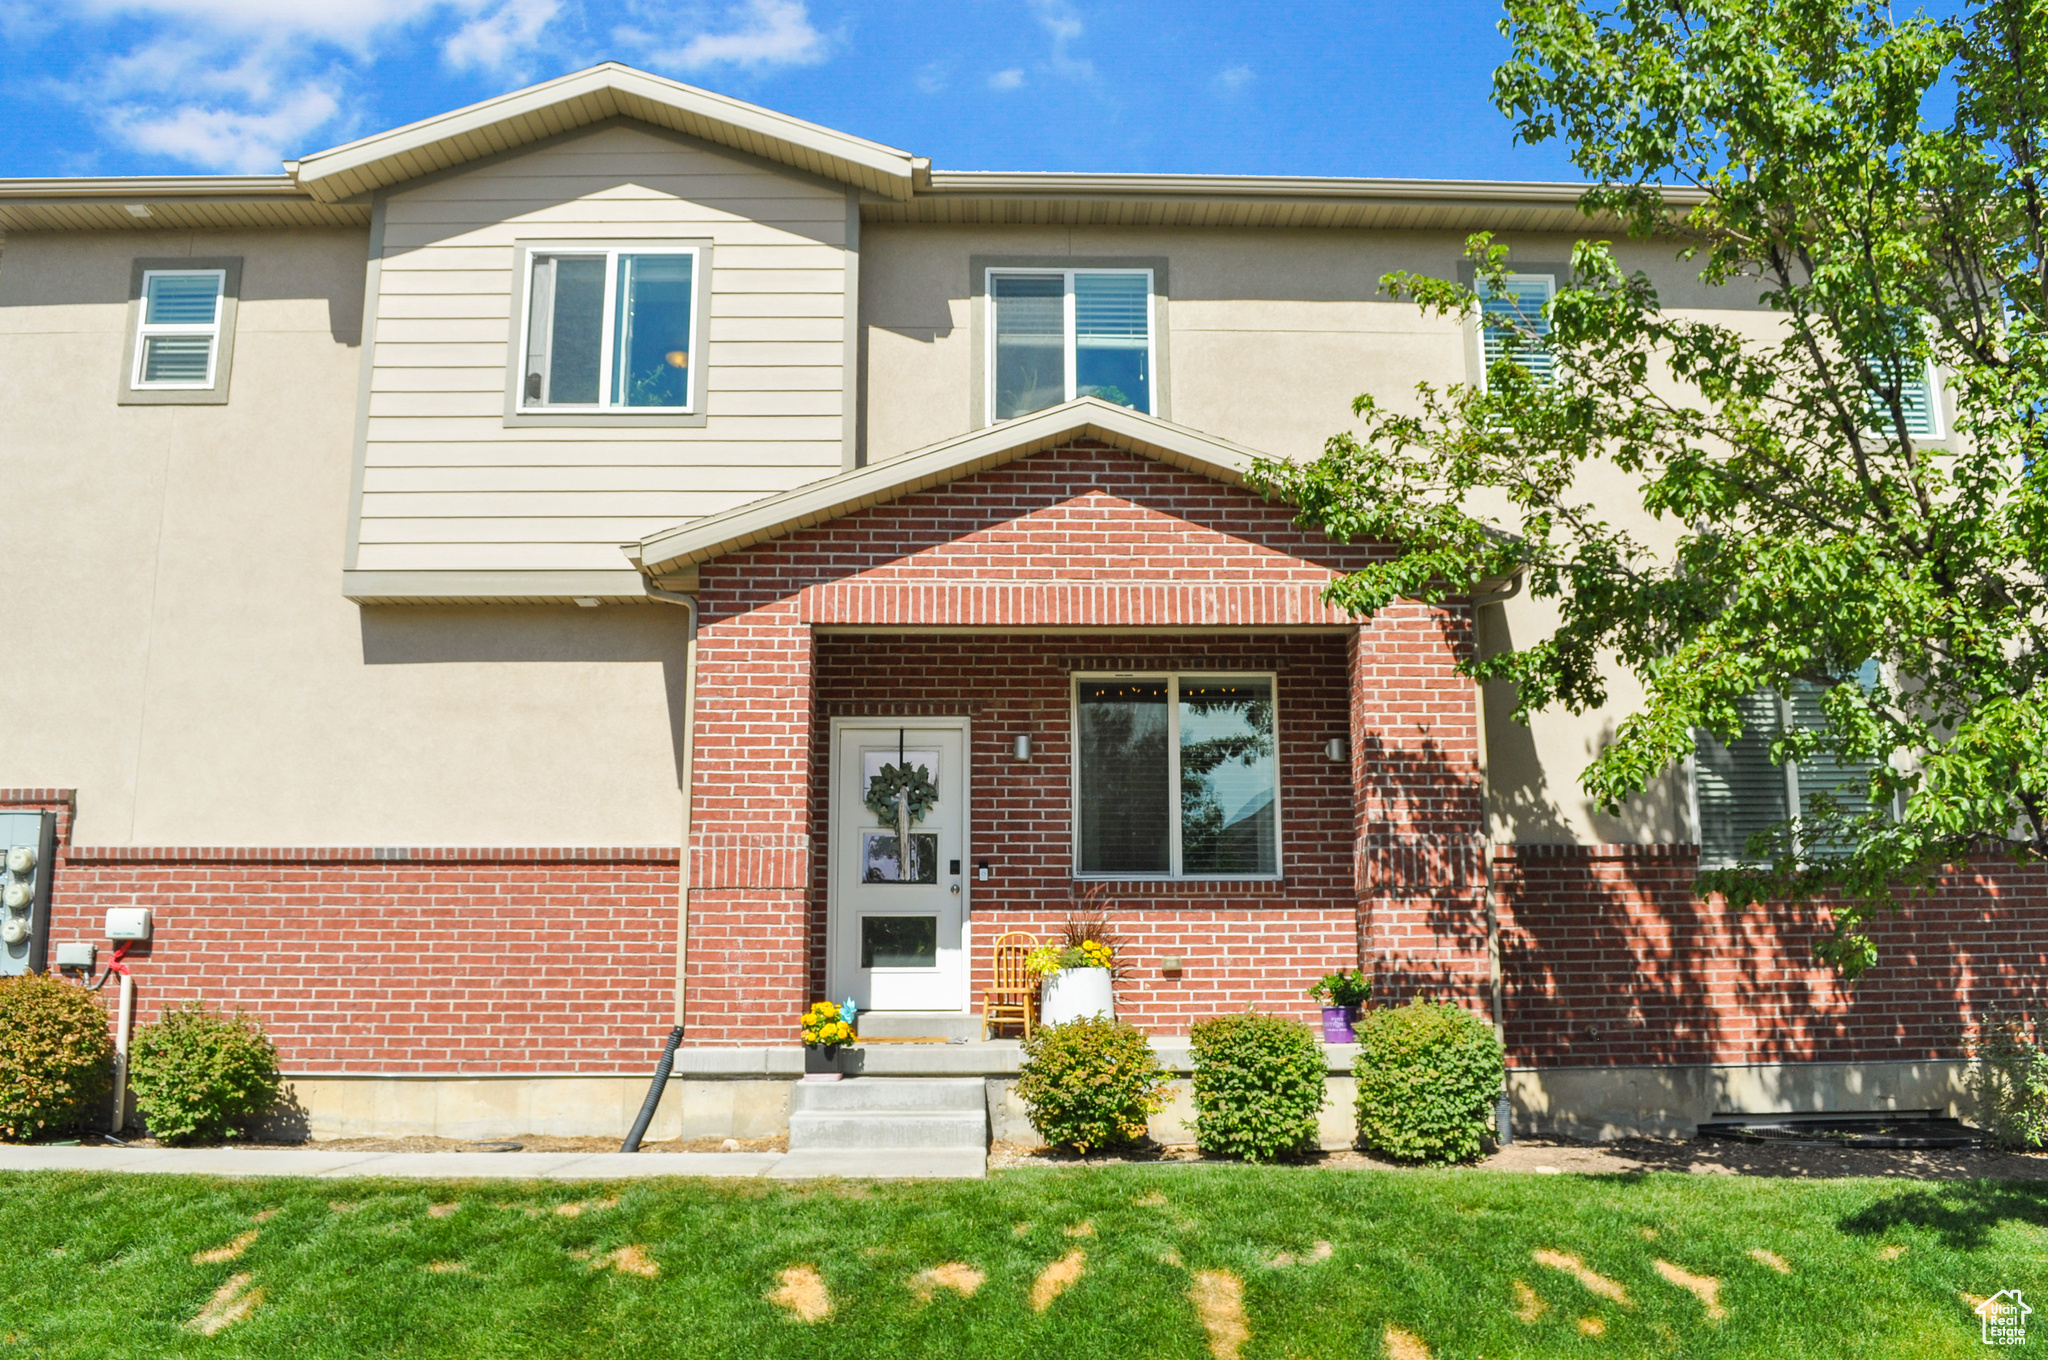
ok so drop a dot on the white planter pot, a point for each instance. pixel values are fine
(1074, 992)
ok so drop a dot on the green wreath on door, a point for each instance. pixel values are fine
(909, 780)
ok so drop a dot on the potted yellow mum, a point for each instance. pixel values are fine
(828, 1026)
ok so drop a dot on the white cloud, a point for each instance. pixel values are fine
(226, 139)
(1011, 79)
(242, 84)
(1234, 78)
(933, 77)
(750, 34)
(345, 23)
(1060, 20)
(496, 40)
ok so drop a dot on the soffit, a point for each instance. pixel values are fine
(1024, 199)
(1085, 418)
(574, 101)
(174, 202)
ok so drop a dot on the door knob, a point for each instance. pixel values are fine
(956, 890)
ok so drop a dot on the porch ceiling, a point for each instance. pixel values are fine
(1086, 418)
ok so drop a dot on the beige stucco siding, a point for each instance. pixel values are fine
(448, 486)
(175, 645)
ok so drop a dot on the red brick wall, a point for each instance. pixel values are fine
(396, 960)
(1612, 960)
(1261, 943)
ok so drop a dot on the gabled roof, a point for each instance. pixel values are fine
(607, 91)
(1086, 418)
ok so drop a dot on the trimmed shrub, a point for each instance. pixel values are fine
(1429, 1074)
(2009, 1080)
(1090, 1083)
(202, 1075)
(56, 1057)
(1260, 1082)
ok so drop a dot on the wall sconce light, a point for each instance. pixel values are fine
(1337, 749)
(1023, 746)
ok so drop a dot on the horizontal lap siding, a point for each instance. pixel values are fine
(446, 486)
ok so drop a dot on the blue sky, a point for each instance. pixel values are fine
(109, 87)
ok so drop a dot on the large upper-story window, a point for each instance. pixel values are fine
(1175, 776)
(1740, 792)
(1512, 321)
(611, 329)
(1066, 333)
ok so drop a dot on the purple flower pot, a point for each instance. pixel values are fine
(1337, 1025)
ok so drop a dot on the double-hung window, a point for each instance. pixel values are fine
(1059, 334)
(611, 329)
(1916, 402)
(1513, 323)
(1175, 776)
(177, 340)
(1740, 792)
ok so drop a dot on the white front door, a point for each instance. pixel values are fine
(895, 920)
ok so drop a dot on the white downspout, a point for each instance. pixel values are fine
(688, 602)
(122, 1029)
(1495, 969)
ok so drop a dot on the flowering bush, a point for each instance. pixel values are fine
(826, 1025)
(1048, 959)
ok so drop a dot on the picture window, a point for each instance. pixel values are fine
(1176, 776)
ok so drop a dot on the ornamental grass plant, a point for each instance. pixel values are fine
(56, 1059)
(1260, 1083)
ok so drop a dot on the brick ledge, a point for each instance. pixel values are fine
(372, 854)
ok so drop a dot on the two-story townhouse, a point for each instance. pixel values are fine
(463, 586)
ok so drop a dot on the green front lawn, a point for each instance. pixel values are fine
(1140, 1262)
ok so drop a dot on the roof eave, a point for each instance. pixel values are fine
(334, 173)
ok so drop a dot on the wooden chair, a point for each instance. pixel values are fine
(1012, 995)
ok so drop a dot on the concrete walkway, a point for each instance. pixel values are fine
(920, 1164)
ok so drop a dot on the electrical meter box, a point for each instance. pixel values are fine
(28, 845)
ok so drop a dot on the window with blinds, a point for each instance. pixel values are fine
(1510, 318)
(178, 335)
(1917, 401)
(1740, 792)
(1059, 334)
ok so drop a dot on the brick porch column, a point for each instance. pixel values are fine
(748, 973)
(1418, 806)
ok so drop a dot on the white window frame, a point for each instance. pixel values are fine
(537, 251)
(145, 331)
(1072, 347)
(1549, 282)
(1173, 680)
(1937, 426)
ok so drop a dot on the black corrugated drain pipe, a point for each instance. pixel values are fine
(654, 1090)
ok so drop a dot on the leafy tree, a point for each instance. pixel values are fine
(1881, 185)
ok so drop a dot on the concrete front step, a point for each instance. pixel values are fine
(965, 1095)
(881, 1114)
(810, 1130)
(919, 1025)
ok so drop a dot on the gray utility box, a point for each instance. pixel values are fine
(28, 849)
